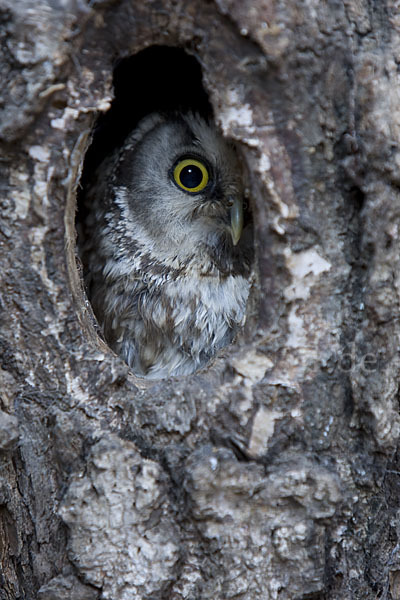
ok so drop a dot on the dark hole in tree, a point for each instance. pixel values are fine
(158, 79)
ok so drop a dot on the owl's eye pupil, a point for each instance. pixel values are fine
(191, 175)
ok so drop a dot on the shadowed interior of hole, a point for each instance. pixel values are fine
(159, 78)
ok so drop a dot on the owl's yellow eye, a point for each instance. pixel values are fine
(191, 175)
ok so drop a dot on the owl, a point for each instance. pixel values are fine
(166, 256)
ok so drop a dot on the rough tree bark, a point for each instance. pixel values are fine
(274, 473)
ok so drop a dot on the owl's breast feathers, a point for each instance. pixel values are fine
(166, 320)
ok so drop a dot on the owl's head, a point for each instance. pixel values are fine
(178, 183)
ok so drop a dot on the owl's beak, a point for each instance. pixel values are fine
(236, 213)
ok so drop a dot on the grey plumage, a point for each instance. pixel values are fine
(166, 273)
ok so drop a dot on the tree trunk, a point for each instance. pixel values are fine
(272, 474)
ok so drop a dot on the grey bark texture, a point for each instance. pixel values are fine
(273, 474)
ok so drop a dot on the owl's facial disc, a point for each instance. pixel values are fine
(192, 175)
